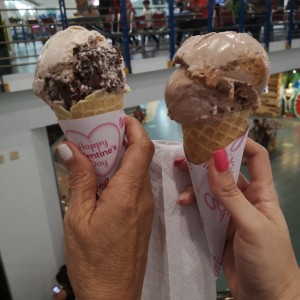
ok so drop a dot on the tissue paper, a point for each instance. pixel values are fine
(179, 259)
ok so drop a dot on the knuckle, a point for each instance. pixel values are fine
(267, 194)
(229, 190)
(147, 147)
(81, 178)
(129, 210)
(68, 222)
(74, 227)
(69, 219)
(264, 152)
(132, 207)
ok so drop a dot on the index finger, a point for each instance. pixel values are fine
(258, 162)
(139, 152)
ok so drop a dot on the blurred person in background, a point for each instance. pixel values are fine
(234, 7)
(131, 13)
(261, 132)
(255, 16)
(104, 8)
(266, 134)
(139, 115)
(85, 8)
(256, 131)
(147, 12)
(183, 20)
(191, 17)
(200, 9)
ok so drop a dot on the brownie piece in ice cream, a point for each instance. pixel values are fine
(92, 69)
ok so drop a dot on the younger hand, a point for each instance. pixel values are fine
(106, 241)
(258, 261)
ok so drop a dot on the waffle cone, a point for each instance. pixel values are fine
(95, 104)
(201, 141)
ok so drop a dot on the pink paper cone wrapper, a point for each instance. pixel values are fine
(101, 139)
(214, 216)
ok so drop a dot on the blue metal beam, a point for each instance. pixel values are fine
(63, 14)
(125, 35)
(171, 29)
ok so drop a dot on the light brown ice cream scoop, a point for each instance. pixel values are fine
(219, 73)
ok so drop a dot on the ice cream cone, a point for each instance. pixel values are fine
(81, 77)
(202, 140)
(95, 125)
(96, 103)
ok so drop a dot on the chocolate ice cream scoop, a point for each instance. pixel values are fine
(76, 62)
(219, 73)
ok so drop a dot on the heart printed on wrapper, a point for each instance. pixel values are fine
(101, 146)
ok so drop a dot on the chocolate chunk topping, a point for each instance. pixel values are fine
(94, 68)
(246, 97)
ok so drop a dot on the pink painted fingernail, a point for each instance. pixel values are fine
(221, 160)
(181, 198)
(178, 161)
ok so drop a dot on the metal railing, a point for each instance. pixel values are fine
(169, 26)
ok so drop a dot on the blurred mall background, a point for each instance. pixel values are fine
(33, 187)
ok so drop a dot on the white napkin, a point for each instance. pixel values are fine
(179, 261)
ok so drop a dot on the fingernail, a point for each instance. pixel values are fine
(178, 161)
(221, 160)
(181, 198)
(65, 152)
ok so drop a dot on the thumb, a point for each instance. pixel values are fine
(82, 178)
(226, 191)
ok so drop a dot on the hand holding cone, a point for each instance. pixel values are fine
(81, 77)
(218, 83)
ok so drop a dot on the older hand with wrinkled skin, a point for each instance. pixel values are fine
(259, 261)
(106, 240)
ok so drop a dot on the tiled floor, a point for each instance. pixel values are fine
(285, 161)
